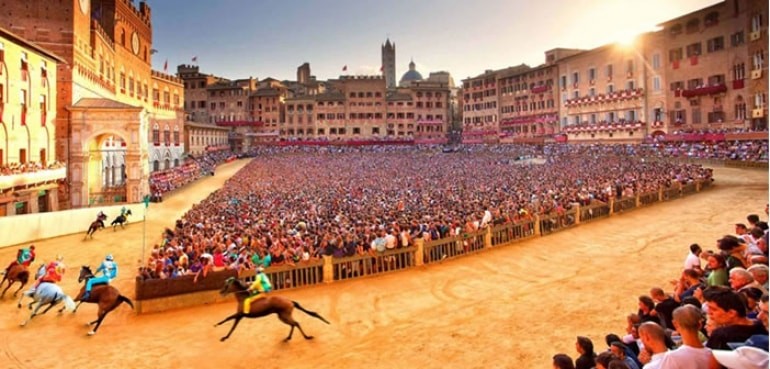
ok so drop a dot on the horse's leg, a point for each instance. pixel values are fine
(287, 319)
(235, 324)
(98, 321)
(6, 289)
(34, 312)
(50, 305)
(231, 317)
(17, 291)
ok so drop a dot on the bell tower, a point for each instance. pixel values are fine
(389, 64)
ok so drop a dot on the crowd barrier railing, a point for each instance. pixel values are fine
(162, 294)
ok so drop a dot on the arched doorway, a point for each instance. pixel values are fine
(109, 153)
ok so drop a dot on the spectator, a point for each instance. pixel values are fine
(718, 271)
(688, 321)
(693, 258)
(728, 310)
(621, 352)
(562, 361)
(587, 357)
(664, 306)
(653, 337)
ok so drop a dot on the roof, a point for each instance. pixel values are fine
(29, 45)
(690, 14)
(89, 102)
(267, 92)
(330, 96)
(399, 96)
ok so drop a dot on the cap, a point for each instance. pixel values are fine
(742, 358)
(109, 257)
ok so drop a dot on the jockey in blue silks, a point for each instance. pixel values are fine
(109, 270)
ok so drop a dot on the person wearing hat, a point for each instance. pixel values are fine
(53, 272)
(109, 270)
(24, 256)
(751, 354)
(258, 288)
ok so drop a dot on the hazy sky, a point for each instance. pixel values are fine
(271, 38)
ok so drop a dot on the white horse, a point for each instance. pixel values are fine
(46, 294)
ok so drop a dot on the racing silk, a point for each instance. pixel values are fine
(109, 269)
(53, 272)
(261, 283)
(26, 257)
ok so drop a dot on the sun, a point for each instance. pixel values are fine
(626, 38)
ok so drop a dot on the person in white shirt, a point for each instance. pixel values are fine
(692, 354)
(693, 258)
(654, 339)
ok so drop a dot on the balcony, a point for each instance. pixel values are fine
(540, 89)
(707, 90)
(604, 127)
(737, 84)
(240, 123)
(616, 96)
(32, 178)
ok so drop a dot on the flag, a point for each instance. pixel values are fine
(345, 68)
(165, 66)
(146, 201)
(195, 59)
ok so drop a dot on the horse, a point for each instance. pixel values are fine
(107, 297)
(95, 226)
(120, 220)
(16, 273)
(263, 306)
(46, 294)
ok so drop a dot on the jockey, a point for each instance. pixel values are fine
(109, 269)
(53, 272)
(23, 257)
(258, 289)
(123, 211)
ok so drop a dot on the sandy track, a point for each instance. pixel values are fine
(511, 307)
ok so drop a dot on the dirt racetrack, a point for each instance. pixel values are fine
(512, 307)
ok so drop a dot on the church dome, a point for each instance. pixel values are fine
(411, 75)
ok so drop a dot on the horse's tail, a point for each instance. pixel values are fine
(311, 313)
(69, 304)
(125, 299)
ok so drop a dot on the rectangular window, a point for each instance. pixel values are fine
(675, 54)
(693, 49)
(609, 71)
(575, 78)
(696, 116)
(656, 83)
(656, 61)
(715, 44)
(737, 39)
(592, 74)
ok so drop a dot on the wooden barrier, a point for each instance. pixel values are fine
(648, 198)
(558, 222)
(593, 212)
(290, 276)
(624, 204)
(507, 233)
(375, 263)
(452, 247)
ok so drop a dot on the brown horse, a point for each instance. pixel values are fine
(16, 273)
(107, 297)
(263, 306)
(95, 226)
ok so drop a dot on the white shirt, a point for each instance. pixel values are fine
(655, 361)
(686, 357)
(692, 261)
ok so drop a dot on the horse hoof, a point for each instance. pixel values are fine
(88, 324)
(91, 333)
(309, 337)
(223, 339)
(23, 324)
(18, 306)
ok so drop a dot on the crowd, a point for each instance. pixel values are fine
(28, 167)
(715, 314)
(291, 205)
(193, 168)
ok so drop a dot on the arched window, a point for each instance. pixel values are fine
(167, 135)
(123, 37)
(156, 134)
(155, 166)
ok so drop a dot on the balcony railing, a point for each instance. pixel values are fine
(604, 127)
(605, 98)
(24, 179)
(706, 90)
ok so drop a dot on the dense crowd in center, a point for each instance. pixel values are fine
(294, 204)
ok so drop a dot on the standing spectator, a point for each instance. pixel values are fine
(585, 348)
(688, 321)
(692, 261)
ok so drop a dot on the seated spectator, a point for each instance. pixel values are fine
(562, 361)
(664, 306)
(718, 271)
(623, 354)
(653, 337)
(603, 360)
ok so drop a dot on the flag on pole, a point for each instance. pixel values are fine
(345, 68)
(146, 201)
(165, 66)
(195, 59)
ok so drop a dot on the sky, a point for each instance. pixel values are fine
(271, 38)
